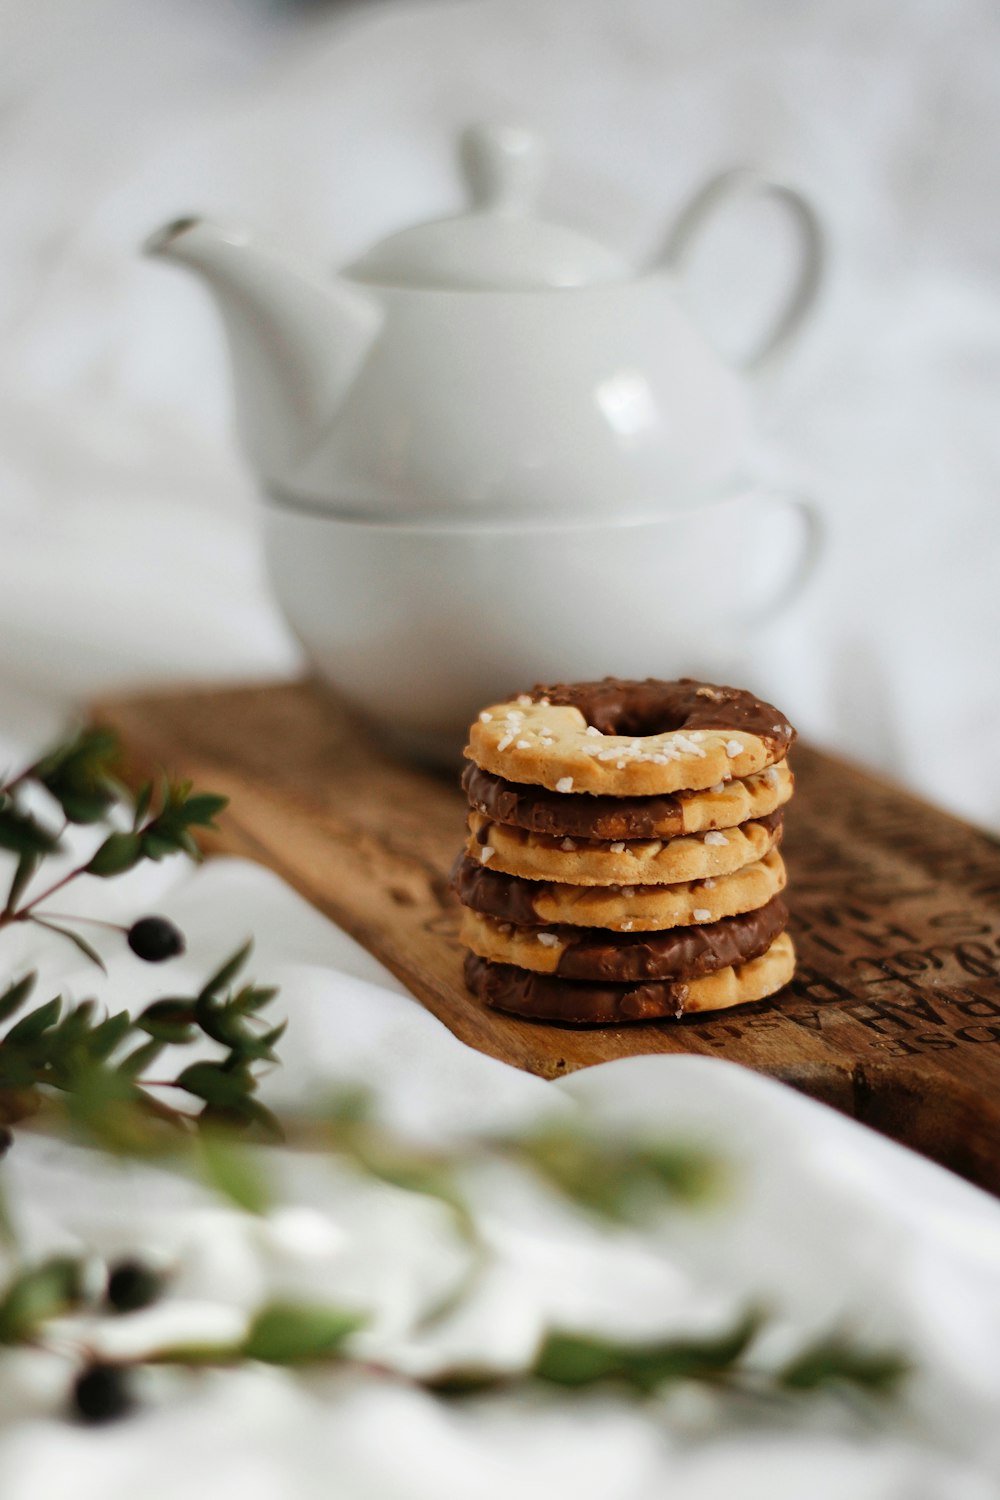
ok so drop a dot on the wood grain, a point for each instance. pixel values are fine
(894, 1016)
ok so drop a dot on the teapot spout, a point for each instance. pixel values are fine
(296, 342)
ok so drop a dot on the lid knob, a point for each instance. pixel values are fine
(502, 166)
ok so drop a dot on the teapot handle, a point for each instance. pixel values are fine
(742, 183)
(812, 538)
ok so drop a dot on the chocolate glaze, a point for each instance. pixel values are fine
(677, 954)
(543, 998)
(498, 895)
(584, 816)
(616, 705)
(772, 821)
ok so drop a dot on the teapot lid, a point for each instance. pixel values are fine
(498, 246)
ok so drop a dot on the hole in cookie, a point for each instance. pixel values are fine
(617, 706)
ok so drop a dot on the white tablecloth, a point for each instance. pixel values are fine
(127, 554)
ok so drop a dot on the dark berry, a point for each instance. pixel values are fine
(101, 1394)
(155, 939)
(131, 1285)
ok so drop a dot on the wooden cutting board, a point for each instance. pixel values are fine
(894, 1016)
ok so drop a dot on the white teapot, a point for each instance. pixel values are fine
(491, 365)
(492, 452)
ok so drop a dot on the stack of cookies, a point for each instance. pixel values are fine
(622, 858)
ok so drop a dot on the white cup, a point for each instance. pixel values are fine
(419, 626)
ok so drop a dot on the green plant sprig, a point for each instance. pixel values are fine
(80, 776)
(94, 1068)
(305, 1335)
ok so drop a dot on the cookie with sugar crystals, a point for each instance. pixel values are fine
(572, 1002)
(629, 738)
(591, 953)
(637, 862)
(629, 908)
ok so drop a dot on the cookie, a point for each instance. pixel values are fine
(627, 957)
(639, 862)
(611, 818)
(544, 997)
(642, 908)
(629, 739)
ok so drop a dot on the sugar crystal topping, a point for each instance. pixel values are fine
(486, 853)
(689, 746)
(548, 939)
(564, 784)
(716, 838)
(701, 914)
(618, 848)
(734, 747)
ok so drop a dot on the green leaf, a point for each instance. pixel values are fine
(103, 1103)
(34, 1024)
(142, 802)
(15, 995)
(75, 1024)
(198, 811)
(252, 997)
(118, 853)
(833, 1361)
(288, 1333)
(614, 1179)
(577, 1360)
(228, 972)
(38, 1294)
(168, 1020)
(247, 1111)
(169, 831)
(85, 948)
(22, 833)
(234, 1171)
(211, 1082)
(685, 1172)
(156, 847)
(136, 1062)
(106, 1036)
(79, 775)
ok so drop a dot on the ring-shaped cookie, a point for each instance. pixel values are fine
(639, 862)
(543, 997)
(637, 908)
(538, 810)
(601, 957)
(629, 739)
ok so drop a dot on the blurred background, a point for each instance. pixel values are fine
(128, 548)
